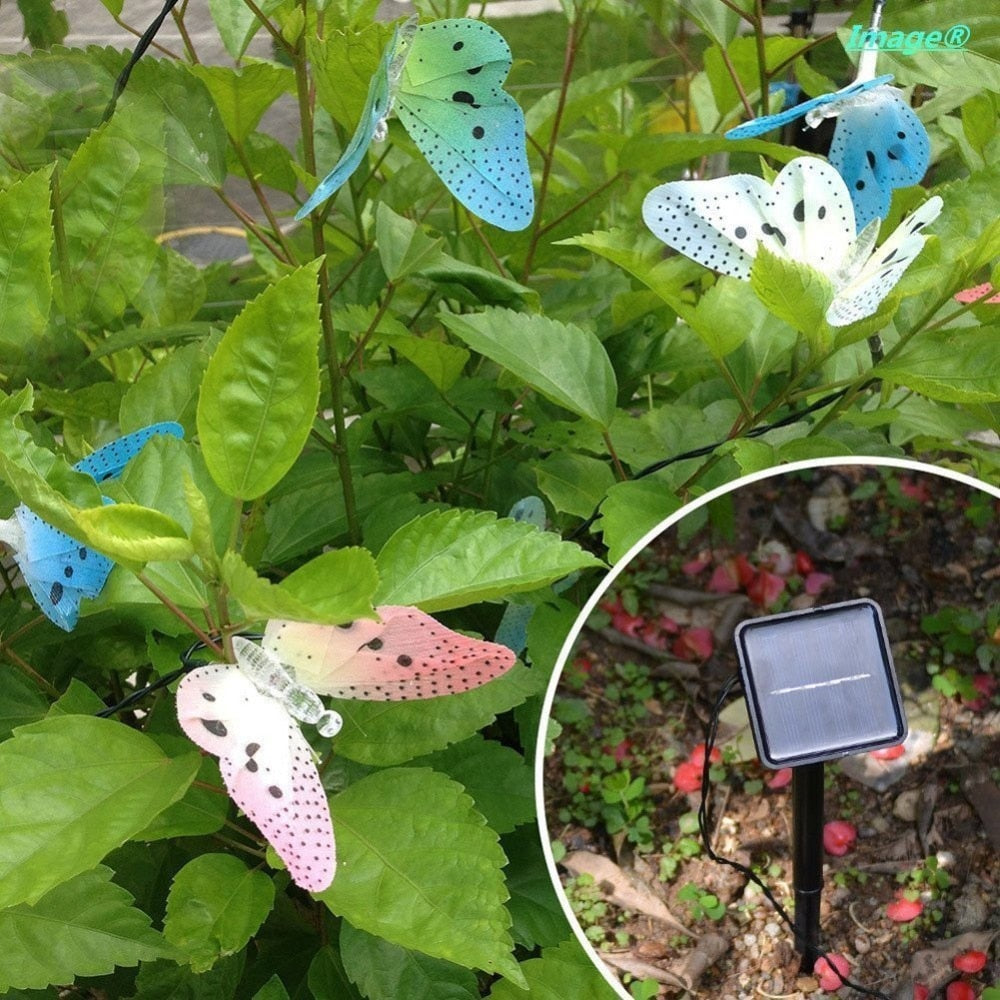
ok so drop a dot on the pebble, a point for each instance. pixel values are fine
(862, 945)
(905, 806)
(771, 929)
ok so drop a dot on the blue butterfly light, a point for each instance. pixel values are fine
(59, 570)
(445, 80)
(879, 143)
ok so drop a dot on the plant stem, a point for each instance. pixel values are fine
(334, 370)
(569, 59)
(248, 169)
(181, 615)
(248, 220)
(28, 669)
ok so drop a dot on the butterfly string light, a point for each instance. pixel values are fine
(59, 570)
(805, 216)
(444, 80)
(248, 714)
(878, 144)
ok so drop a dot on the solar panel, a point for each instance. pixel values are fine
(820, 683)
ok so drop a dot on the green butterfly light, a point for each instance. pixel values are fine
(445, 81)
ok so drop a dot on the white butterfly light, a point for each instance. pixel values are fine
(805, 216)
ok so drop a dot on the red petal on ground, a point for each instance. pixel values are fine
(920, 992)
(970, 961)
(779, 778)
(723, 579)
(745, 572)
(904, 910)
(889, 753)
(687, 777)
(829, 980)
(817, 582)
(694, 566)
(697, 755)
(959, 990)
(804, 563)
(765, 588)
(839, 837)
(915, 491)
(693, 644)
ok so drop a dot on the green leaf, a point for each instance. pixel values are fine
(242, 96)
(631, 510)
(385, 733)
(794, 292)
(534, 905)
(133, 535)
(385, 971)
(21, 701)
(260, 391)
(191, 138)
(25, 275)
(448, 559)
(338, 586)
(573, 483)
(333, 588)
(237, 23)
(75, 787)
(720, 22)
(84, 927)
(566, 971)
(431, 880)
(497, 778)
(44, 26)
(215, 906)
(112, 199)
(402, 246)
(201, 811)
(955, 366)
(565, 363)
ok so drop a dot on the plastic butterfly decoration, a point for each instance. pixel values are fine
(247, 714)
(445, 81)
(59, 570)
(878, 144)
(805, 216)
(978, 293)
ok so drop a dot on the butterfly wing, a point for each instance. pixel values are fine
(378, 103)
(407, 655)
(879, 144)
(864, 292)
(109, 461)
(837, 101)
(721, 222)
(470, 130)
(267, 767)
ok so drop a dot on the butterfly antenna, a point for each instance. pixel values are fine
(144, 42)
(704, 828)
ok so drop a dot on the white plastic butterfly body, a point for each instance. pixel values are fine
(246, 716)
(445, 81)
(58, 570)
(806, 216)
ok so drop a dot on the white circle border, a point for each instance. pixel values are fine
(925, 468)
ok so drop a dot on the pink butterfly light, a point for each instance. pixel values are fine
(977, 292)
(248, 714)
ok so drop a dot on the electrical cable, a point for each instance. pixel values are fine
(704, 828)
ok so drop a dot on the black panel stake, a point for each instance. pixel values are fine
(807, 858)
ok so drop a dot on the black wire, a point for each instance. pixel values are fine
(188, 663)
(704, 828)
(144, 42)
(790, 418)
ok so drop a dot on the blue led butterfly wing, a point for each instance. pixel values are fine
(879, 144)
(452, 103)
(58, 570)
(109, 461)
(378, 103)
(512, 631)
(749, 130)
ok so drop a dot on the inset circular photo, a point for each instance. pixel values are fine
(769, 755)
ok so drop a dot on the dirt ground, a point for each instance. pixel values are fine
(633, 703)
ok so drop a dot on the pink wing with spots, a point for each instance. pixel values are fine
(406, 655)
(267, 766)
